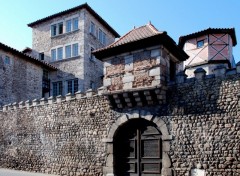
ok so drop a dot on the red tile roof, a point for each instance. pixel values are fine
(134, 35)
(138, 38)
(230, 31)
(26, 57)
(83, 6)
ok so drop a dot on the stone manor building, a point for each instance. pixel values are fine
(66, 40)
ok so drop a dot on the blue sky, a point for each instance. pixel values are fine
(177, 17)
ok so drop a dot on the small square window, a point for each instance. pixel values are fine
(41, 56)
(7, 60)
(200, 43)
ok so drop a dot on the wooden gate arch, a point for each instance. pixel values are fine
(140, 117)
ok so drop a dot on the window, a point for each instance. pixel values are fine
(68, 25)
(60, 28)
(200, 43)
(92, 28)
(60, 53)
(92, 85)
(54, 30)
(72, 86)
(75, 24)
(68, 51)
(45, 74)
(57, 29)
(57, 88)
(53, 54)
(91, 55)
(7, 60)
(72, 25)
(41, 56)
(102, 36)
(75, 49)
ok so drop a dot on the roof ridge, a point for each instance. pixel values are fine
(153, 28)
(121, 38)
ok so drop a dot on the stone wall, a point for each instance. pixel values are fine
(73, 135)
(205, 126)
(139, 69)
(20, 79)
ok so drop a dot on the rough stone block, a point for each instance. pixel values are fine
(89, 93)
(78, 95)
(43, 101)
(166, 172)
(127, 79)
(200, 73)
(35, 102)
(68, 97)
(121, 120)
(102, 90)
(128, 63)
(50, 100)
(59, 98)
(107, 82)
(220, 71)
(165, 146)
(158, 60)
(21, 104)
(156, 82)
(127, 85)
(154, 71)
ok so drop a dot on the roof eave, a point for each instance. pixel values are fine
(26, 57)
(230, 31)
(86, 6)
(143, 43)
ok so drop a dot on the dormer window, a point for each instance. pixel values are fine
(200, 43)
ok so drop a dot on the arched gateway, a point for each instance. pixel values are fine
(137, 145)
(137, 149)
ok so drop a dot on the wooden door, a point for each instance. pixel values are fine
(137, 149)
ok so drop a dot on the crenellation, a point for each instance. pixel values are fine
(149, 113)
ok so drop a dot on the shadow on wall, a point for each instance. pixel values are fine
(204, 94)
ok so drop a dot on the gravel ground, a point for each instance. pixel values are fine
(6, 172)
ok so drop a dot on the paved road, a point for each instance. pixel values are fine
(6, 172)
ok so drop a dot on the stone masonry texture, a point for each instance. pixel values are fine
(80, 67)
(20, 79)
(69, 137)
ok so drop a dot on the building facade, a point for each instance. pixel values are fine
(208, 48)
(66, 40)
(22, 77)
